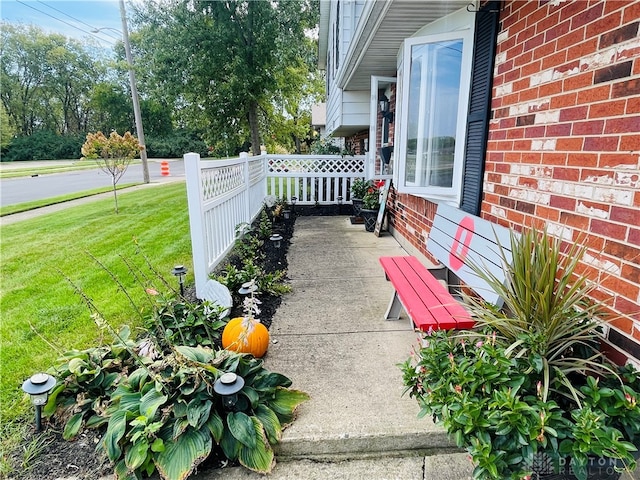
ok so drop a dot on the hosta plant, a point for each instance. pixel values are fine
(183, 322)
(162, 412)
(529, 385)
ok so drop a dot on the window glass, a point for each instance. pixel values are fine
(432, 109)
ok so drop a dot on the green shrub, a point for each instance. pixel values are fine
(271, 283)
(43, 145)
(181, 322)
(530, 382)
(175, 145)
(161, 410)
(492, 402)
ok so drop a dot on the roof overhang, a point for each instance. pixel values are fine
(383, 26)
(349, 130)
(323, 33)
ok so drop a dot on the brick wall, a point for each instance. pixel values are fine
(356, 143)
(564, 141)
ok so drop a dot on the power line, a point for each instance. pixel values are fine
(76, 19)
(60, 20)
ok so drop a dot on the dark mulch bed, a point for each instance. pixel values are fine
(57, 458)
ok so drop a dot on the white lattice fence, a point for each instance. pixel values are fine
(222, 194)
(313, 179)
(225, 193)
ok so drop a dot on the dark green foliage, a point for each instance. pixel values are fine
(235, 68)
(43, 145)
(175, 145)
(112, 109)
(46, 145)
(271, 283)
(492, 404)
(248, 252)
(181, 322)
(161, 410)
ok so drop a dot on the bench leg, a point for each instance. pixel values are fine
(394, 308)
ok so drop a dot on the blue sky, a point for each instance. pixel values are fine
(75, 18)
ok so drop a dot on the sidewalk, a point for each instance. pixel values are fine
(332, 341)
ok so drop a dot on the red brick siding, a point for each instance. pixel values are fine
(355, 142)
(564, 139)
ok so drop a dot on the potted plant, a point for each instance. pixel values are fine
(528, 393)
(370, 207)
(359, 188)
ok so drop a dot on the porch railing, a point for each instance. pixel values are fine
(223, 194)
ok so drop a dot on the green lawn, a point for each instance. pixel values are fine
(41, 315)
(23, 207)
(26, 168)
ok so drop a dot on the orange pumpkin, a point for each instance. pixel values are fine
(245, 335)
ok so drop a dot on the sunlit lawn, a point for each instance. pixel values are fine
(41, 316)
(28, 168)
(23, 207)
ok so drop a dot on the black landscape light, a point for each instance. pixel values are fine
(276, 238)
(38, 387)
(339, 204)
(228, 386)
(293, 204)
(180, 271)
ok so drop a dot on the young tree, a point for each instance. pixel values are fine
(113, 154)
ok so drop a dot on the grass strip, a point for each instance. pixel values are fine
(26, 206)
(42, 316)
(9, 170)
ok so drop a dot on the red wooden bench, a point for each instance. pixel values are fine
(458, 240)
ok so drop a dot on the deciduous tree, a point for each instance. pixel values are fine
(223, 63)
(113, 154)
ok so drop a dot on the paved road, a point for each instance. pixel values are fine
(26, 189)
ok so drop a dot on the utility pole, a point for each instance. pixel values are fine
(134, 94)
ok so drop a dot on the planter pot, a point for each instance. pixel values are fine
(370, 217)
(357, 206)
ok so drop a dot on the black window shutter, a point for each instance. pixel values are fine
(484, 52)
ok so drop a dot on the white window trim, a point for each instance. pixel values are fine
(451, 194)
(372, 153)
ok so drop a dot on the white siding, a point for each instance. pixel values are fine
(344, 108)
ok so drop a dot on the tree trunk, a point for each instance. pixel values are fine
(115, 194)
(296, 141)
(254, 127)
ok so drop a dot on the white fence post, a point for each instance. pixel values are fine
(247, 186)
(196, 220)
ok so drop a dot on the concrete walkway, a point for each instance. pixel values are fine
(332, 341)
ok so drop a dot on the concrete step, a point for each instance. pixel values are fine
(415, 467)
